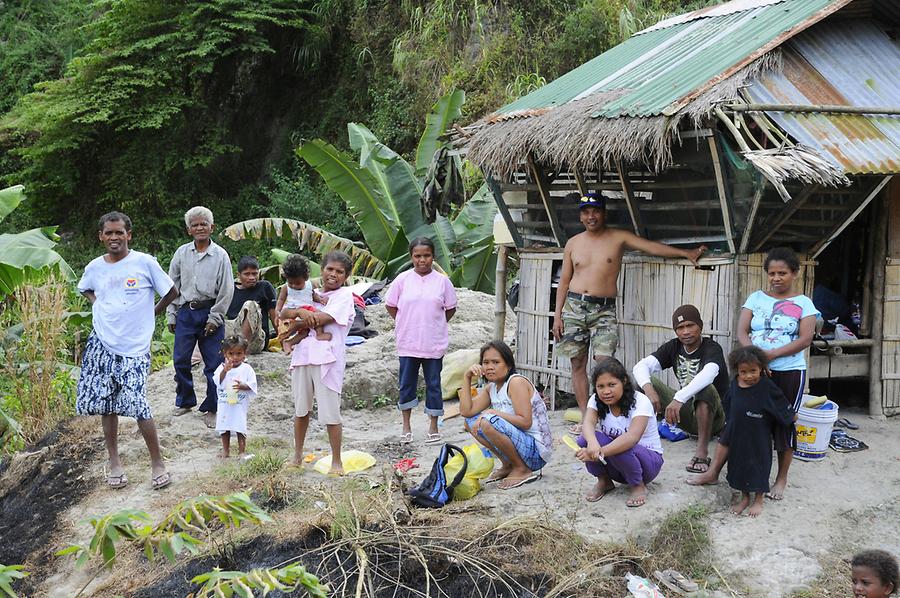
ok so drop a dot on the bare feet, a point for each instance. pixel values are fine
(757, 506)
(600, 490)
(638, 496)
(738, 508)
(337, 468)
(703, 479)
(777, 491)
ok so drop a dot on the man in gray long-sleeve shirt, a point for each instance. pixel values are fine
(201, 271)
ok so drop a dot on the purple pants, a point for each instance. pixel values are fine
(638, 465)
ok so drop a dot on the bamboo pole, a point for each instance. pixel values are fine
(879, 260)
(824, 108)
(500, 294)
(723, 197)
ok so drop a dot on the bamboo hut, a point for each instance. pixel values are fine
(744, 126)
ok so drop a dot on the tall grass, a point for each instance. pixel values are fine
(39, 390)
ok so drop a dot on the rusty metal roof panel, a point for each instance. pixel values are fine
(660, 68)
(847, 63)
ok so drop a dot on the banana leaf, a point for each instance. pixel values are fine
(396, 178)
(359, 190)
(10, 198)
(477, 269)
(309, 237)
(444, 112)
(28, 257)
(475, 220)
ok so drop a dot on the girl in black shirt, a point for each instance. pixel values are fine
(755, 404)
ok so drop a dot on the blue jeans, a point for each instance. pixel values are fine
(409, 379)
(189, 326)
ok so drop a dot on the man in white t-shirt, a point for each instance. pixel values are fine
(121, 287)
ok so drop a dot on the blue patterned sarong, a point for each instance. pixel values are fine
(524, 444)
(112, 384)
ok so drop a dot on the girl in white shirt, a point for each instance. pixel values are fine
(235, 387)
(626, 446)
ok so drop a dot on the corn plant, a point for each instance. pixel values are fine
(224, 584)
(10, 573)
(176, 533)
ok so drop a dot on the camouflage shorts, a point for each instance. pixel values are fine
(588, 324)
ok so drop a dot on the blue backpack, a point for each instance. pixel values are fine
(434, 491)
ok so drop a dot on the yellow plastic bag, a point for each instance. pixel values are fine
(466, 489)
(353, 461)
(478, 467)
(454, 369)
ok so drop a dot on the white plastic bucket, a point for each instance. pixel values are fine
(814, 430)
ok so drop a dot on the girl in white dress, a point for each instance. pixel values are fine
(235, 386)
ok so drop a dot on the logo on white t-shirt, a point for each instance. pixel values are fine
(131, 284)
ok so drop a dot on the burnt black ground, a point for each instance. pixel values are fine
(264, 551)
(49, 484)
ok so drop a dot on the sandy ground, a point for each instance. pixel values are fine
(837, 506)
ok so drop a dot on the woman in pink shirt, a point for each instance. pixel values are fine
(421, 301)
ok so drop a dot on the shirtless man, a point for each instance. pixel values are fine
(586, 299)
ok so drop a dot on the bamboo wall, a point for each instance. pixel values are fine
(650, 289)
(890, 355)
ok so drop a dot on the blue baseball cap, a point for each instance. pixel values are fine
(592, 200)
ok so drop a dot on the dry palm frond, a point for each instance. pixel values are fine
(309, 237)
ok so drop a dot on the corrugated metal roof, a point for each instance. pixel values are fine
(662, 68)
(846, 63)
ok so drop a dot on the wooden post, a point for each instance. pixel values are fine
(543, 186)
(822, 245)
(579, 181)
(789, 210)
(500, 294)
(504, 211)
(723, 197)
(879, 259)
(631, 201)
(754, 207)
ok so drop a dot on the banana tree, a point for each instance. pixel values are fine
(27, 256)
(382, 192)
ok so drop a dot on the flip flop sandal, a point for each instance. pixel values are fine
(520, 482)
(406, 438)
(640, 501)
(434, 438)
(161, 481)
(599, 496)
(692, 468)
(676, 582)
(846, 423)
(117, 481)
(493, 478)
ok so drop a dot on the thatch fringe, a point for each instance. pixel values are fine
(567, 135)
(798, 163)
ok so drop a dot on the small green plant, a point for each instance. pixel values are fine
(220, 583)
(171, 536)
(382, 401)
(8, 575)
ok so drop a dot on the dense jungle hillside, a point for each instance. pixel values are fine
(151, 106)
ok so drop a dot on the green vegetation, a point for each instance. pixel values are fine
(151, 106)
(285, 579)
(8, 575)
(181, 530)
